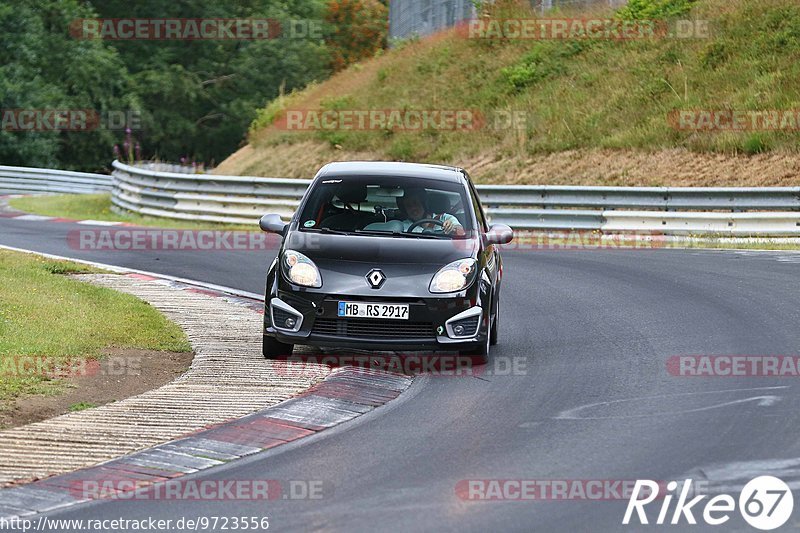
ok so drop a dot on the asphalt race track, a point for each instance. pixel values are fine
(592, 398)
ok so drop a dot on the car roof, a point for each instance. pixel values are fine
(392, 168)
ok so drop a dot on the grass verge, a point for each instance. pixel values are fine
(755, 243)
(98, 207)
(52, 318)
(580, 240)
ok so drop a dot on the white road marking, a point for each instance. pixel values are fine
(763, 401)
(99, 223)
(33, 217)
(782, 256)
(731, 477)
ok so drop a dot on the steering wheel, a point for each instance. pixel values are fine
(424, 221)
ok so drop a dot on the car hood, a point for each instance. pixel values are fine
(408, 263)
(380, 250)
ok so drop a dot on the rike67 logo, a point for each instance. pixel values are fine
(765, 503)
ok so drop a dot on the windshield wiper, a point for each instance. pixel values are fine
(328, 231)
(389, 233)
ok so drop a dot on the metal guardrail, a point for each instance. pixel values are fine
(650, 198)
(243, 199)
(24, 180)
(173, 191)
(232, 199)
(409, 18)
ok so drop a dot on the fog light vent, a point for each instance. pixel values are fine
(284, 319)
(466, 327)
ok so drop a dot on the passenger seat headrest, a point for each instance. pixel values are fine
(352, 193)
(438, 203)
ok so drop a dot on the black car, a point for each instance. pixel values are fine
(385, 256)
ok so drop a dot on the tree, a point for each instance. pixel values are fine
(357, 30)
(43, 68)
(199, 96)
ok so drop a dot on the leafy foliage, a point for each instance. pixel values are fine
(200, 96)
(358, 30)
(655, 9)
(42, 67)
(193, 98)
(540, 62)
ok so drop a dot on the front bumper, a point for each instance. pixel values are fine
(430, 325)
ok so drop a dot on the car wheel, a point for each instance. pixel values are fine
(479, 355)
(273, 349)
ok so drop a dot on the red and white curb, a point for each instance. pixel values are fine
(13, 214)
(45, 218)
(346, 393)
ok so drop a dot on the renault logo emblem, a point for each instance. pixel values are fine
(375, 278)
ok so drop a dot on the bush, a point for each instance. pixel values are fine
(755, 144)
(358, 30)
(654, 9)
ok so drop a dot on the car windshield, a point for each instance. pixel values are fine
(388, 206)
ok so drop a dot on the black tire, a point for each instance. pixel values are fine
(495, 324)
(273, 349)
(479, 355)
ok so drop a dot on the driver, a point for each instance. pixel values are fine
(414, 203)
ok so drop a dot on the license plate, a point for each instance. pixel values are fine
(373, 310)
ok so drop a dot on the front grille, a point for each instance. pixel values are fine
(374, 329)
(470, 325)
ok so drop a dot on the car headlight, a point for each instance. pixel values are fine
(301, 270)
(456, 276)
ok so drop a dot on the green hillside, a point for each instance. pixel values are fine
(599, 99)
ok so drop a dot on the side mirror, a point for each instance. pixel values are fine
(499, 234)
(273, 224)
